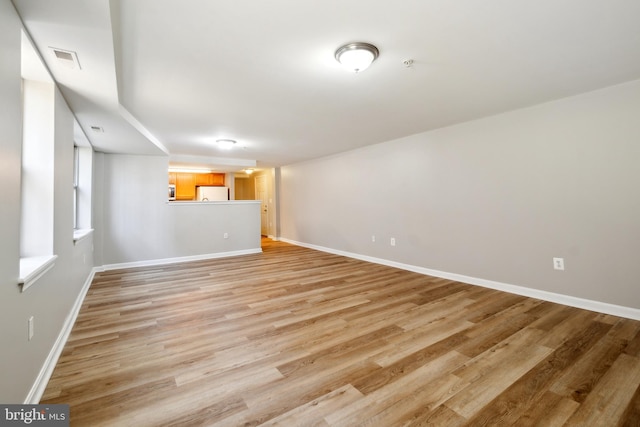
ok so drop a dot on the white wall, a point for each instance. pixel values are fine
(51, 298)
(493, 199)
(139, 225)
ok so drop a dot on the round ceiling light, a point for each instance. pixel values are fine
(358, 56)
(225, 144)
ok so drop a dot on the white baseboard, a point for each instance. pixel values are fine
(163, 261)
(600, 307)
(40, 384)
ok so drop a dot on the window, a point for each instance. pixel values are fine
(82, 177)
(76, 168)
(37, 178)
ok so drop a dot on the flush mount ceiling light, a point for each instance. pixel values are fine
(225, 144)
(248, 171)
(357, 56)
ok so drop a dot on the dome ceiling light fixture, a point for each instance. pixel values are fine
(226, 144)
(357, 56)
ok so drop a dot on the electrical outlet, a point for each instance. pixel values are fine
(558, 263)
(30, 327)
(393, 241)
(225, 235)
(373, 238)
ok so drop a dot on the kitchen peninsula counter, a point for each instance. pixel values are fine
(215, 202)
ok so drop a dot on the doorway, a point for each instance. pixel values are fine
(262, 194)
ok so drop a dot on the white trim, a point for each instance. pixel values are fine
(33, 268)
(40, 384)
(163, 261)
(600, 307)
(81, 234)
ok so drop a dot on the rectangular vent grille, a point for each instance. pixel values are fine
(63, 55)
(66, 58)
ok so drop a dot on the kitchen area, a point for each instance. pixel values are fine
(197, 186)
(205, 187)
(138, 224)
(190, 186)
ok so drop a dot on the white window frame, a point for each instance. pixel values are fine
(37, 178)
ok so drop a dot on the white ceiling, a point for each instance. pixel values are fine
(163, 76)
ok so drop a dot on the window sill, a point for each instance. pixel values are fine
(32, 268)
(81, 234)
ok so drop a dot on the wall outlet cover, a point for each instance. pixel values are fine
(558, 263)
(30, 327)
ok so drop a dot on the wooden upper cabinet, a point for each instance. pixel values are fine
(185, 186)
(203, 179)
(186, 183)
(210, 179)
(217, 179)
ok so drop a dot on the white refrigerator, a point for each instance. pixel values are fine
(206, 193)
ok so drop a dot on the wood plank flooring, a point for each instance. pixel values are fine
(297, 337)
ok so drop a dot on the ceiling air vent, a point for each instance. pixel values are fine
(66, 58)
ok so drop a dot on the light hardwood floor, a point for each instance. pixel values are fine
(297, 337)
